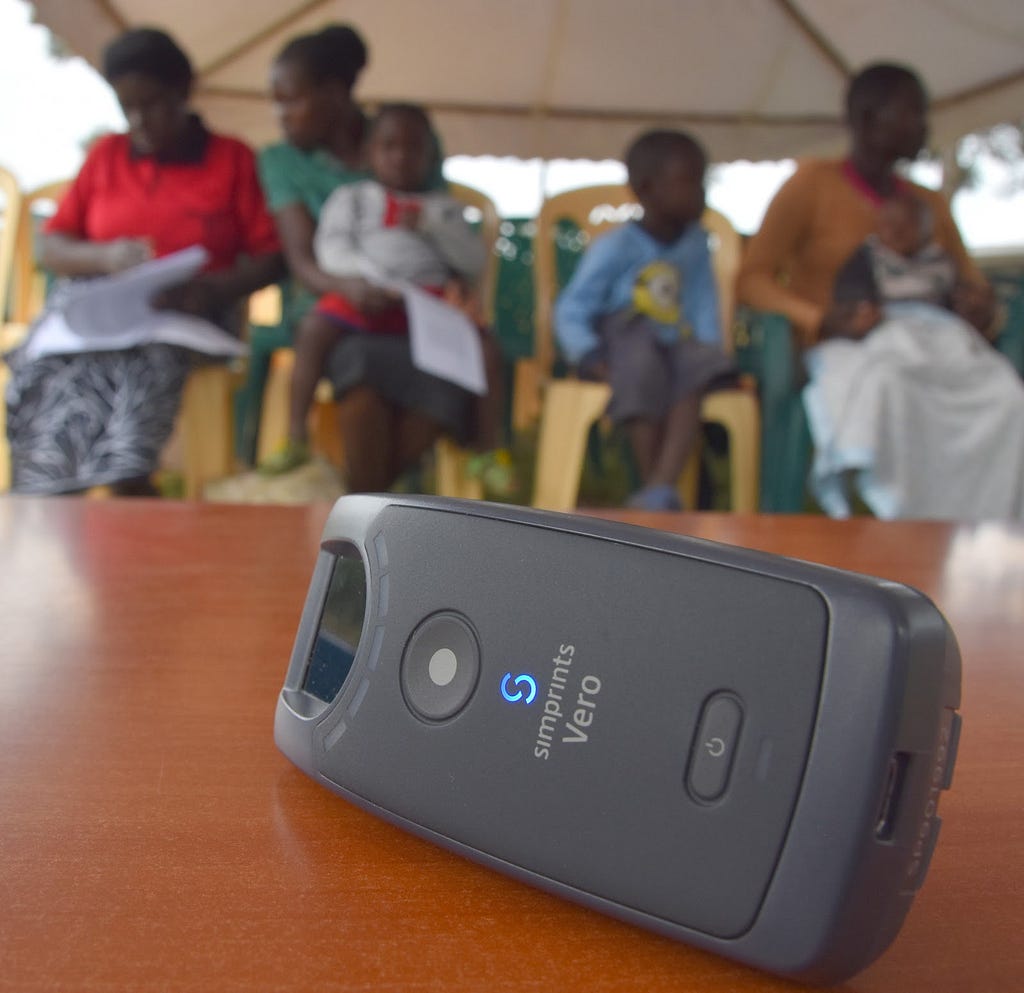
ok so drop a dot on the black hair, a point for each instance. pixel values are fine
(413, 110)
(336, 52)
(149, 52)
(651, 150)
(874, 85)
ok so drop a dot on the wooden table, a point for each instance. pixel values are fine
(152, 838)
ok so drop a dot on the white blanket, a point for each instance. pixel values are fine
(923, 416)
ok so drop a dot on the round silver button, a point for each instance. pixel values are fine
(443, 666)
(440, 666)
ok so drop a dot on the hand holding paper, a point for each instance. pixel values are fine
(443, 340)
(114, 304)
(113, 312)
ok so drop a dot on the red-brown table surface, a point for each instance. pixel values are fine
(152, 838)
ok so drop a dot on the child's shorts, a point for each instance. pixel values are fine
(649, 376)
(343, 312)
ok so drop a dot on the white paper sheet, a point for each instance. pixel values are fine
(444, 341)
(114, 312)
(110, 304)
(53, 336)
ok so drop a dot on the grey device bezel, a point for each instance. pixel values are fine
(890, 683)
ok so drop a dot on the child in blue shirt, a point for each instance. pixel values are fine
(641, 311)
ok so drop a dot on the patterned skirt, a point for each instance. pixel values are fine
(94, 418)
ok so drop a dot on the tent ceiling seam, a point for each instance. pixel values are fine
(832, 55)
(258, 37)
(972, 93)
(107, 6)
(539, 110)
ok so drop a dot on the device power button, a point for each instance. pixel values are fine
(714, 747)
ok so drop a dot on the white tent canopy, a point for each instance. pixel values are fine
(752, 79)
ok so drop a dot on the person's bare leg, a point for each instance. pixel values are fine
(137, 486)
(414, 436)
(645, 439)
(680, 431)
(315, 339)
(488, 408)
(368, 432)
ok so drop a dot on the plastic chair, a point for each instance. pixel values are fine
(5, 448)
(8, 339)
(26, 293)
(30, 282)
(10, 223)
(450, 459)
(568, 407)
(766, 350)
(206, 425)
(481, 211)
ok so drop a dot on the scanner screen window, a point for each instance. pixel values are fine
(340, 628)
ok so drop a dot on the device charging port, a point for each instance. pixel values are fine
(886, 821)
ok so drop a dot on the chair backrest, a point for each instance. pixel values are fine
(726, 246)
(29, 279)
(490, 227)
(266, 306)
(10, 221)
(590, 211)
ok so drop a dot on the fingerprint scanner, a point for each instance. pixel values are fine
(442, 666)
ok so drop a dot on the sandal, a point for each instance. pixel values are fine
(289, 456)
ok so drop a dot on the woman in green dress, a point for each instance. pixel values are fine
(390, 412)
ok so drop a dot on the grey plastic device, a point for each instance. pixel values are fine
(739, 750)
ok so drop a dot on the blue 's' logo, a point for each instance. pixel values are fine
(522, 688)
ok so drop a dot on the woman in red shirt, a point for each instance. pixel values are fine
(102, 417)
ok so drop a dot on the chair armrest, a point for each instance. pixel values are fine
(264, 341)
(766, 349)
(571, 406)
(1010, 340)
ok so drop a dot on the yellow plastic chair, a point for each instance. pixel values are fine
(205, 423)
(481, 210)
(26, 291)
(568, 407)
(10, 222)
(10, 335)
(29, 280)
(5, 448)
(450, 459)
